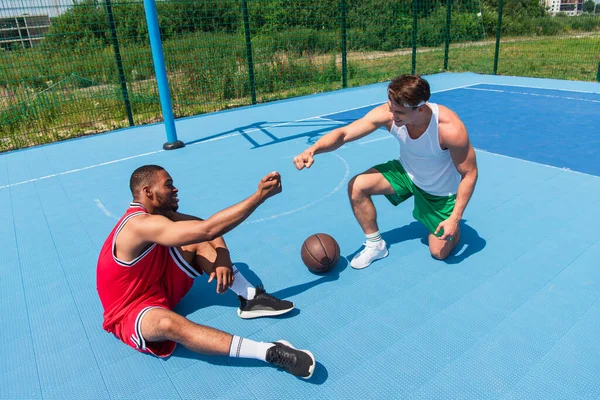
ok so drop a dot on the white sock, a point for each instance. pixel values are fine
(241, 286)
(246, 348)
(374, 237)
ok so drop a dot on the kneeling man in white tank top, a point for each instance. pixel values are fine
(436, 166)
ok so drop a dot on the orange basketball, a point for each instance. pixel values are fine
(320, 252)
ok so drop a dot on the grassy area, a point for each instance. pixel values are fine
(67, 94)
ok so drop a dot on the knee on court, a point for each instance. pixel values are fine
(439, 254)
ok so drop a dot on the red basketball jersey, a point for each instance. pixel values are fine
(122, 285)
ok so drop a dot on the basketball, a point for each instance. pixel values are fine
(320, 252)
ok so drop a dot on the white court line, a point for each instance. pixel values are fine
(537, 163)
(215, 139)
(80, 169)
(105, 210)
(537, 87)
(535, 94)
(336, 189)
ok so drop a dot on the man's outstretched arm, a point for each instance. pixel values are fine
(161, 230)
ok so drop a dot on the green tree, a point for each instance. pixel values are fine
(589, 6)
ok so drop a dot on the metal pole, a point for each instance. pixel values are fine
(414, 37)
(448, 19)
(161, 76)
(122, 79)
(496, 55)
(19, 30)
(27, 30)
(344, 49)
(249, 51)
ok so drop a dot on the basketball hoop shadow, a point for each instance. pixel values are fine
(262, 128)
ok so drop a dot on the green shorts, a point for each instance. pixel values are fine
(430, 210)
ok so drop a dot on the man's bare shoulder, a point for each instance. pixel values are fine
(380, 115)
(447, 116)
(451, 129)
(142, 221)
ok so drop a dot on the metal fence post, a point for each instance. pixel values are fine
(122, 79)
(249, 50)
(414, 36)
(448, 19)
(498, 30)
(344, 49)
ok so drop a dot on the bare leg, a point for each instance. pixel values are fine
(360, 190)
(159, 324)
(441, 249)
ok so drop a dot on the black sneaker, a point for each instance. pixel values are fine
(263, 305)
(297, 362)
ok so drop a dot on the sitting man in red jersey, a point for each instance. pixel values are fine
(149, 262)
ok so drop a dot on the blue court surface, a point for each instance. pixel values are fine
(513, 313)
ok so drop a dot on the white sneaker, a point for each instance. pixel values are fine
(372, 251)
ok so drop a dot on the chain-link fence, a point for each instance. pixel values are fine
(74, 68)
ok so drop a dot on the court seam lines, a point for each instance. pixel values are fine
(35, 355)
(68, 282)
(486, 279)
(534, 94)
(558, 340)
(564, 169)
(481, 340)
(537, 87)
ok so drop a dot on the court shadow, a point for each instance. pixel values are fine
(414, 230)
(470, 243)
(257, 132)
(204, 294)
(319, 377)
(332, 275)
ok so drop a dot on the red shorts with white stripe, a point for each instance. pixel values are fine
(176, 281)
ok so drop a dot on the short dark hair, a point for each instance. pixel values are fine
(409, 90)
(143, 176)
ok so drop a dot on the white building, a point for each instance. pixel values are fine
(553, 6)
(23, 31)
(569, 7)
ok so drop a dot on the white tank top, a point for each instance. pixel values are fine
(429, 167)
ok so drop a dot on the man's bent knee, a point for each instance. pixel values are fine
(201, 256)
(161, 324)
(353, 187)
(362, 184)
(165, 327)
(440, 254)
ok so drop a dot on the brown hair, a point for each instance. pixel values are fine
(143, 176)
(409, 90)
